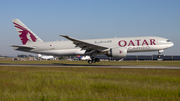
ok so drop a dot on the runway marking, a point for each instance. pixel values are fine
(93, 66)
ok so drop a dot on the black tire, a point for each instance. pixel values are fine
(97, 60)
(90, 61)
(94, 60)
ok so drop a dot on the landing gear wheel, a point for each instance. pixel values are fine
(90, 61)
(96, 59)
(159, 56)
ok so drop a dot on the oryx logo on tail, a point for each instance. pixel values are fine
(25, 34)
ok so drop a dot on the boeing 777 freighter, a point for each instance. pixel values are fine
(112, 47)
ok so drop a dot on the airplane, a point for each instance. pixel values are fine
(44, 57)
(84, 58)
(112, 47)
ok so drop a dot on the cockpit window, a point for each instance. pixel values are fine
(168, 41)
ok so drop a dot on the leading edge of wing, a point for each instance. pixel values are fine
(82, 44)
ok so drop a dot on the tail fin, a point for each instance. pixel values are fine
(25, 34)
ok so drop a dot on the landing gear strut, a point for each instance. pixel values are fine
(159, 53)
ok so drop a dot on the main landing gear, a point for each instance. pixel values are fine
(93, 60)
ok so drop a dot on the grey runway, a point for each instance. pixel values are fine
(93, 66)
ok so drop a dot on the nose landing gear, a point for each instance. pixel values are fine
(159, 54)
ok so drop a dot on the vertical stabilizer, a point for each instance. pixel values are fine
(25, 34)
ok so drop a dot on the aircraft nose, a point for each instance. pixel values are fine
(170, 44)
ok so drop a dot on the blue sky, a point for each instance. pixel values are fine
(84, 19)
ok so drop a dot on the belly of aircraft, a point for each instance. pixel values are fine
(62, 52)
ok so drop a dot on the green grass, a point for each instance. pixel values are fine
(142, 63)
(92, 84)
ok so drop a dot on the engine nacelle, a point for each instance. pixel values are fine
(118, 52)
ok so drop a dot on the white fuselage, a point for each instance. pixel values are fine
(133, 44)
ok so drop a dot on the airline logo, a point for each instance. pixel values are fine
(25, 35)
(123, 43)
(120, 52)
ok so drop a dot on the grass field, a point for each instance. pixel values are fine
(88, 84)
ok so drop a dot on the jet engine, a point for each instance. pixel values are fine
(118, 52)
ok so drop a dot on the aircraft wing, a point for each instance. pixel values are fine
(89, 47)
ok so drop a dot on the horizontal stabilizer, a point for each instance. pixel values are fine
(23, 46)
